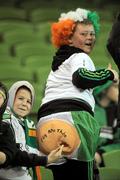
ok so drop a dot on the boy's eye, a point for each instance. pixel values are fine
(92, 33)
(29, 102)
(86, 33)
(20, 98)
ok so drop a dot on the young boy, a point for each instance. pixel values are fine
(21, 98)
(68, 93)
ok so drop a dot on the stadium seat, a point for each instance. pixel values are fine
(18, 36)
(4, 49)
(42, 74)
(23, 50)
(15, 37)
(112, 159)
(7, 3)
(38, 61)
(15, 25)
(9, 61)
(44, 31)
(39, 92)
(109, 173)
(33, 4)
(12, 13)
(16, 73)
(44, 15)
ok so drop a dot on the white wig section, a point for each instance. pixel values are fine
(13, 89)
(77, 15)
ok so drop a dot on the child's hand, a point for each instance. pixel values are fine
(116, 76)
(98, 159)
(55, 154)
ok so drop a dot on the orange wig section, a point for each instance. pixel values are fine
(61, 32)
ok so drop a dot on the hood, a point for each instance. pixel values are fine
(63, 53)
(13, 89)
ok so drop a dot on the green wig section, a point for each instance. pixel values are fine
(94, 18)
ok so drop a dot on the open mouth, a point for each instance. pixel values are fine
(22, 109)
(89, 44)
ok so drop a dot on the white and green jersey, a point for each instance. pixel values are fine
(59, 83)
(75, 78)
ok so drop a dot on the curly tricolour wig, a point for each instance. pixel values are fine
(64, 28)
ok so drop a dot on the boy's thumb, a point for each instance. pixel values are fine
(109, 66)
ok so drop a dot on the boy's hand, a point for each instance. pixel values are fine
(116, 76)
(55, 154)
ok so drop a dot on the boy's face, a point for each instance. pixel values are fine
(1, 100)
(22, 102)
(83, 37)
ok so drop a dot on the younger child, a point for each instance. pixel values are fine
(21, 98)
